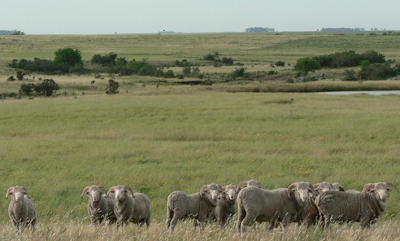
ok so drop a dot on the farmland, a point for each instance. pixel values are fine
(176, 137)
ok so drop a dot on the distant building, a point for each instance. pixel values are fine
(260, 30)
(341, 29)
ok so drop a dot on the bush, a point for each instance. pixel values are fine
(47, 87)
(20, 74)
(105, 60)
(378, 71)
(68, 57)
(349, 59)
(280, 63)
(349, 75)
(169, 74)
(11, 78)
(239, 72)
(227, 61)
(112, 87)
(212, 57)
(271, 72)
(305, 65)
(186, 70)
(26, 89)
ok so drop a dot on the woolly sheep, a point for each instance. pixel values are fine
(199, 206)
(226, 204)
(100, 208)
(22, 210)
(365, 207)
(135, 208)
(249, 183)
(279, 206)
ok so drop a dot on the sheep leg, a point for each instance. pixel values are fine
(247, 221)
(170, 215)
(241, 216)
(174, 221)
(327, 220)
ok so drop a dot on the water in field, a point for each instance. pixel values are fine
(374, 92)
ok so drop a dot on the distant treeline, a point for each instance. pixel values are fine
(259, 30)
(342, 29)
(11, 32)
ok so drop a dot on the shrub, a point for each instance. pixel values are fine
(26, 89)
(365, 63)
(349, 75)
(186, 70)
(239, 72)
(11, 78)
(280, 63)
(349, 59)
(271, 72)
(227, 61)
(169, 74)
(105, 60)
(20, 74)
(212, 57)
(112, 87)
(68, 57)
(305, 65)
(47, 87)
(378, 71)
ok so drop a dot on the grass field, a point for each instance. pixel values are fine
(181, 137)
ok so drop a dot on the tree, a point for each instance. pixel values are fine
(112, 87)
(68, 57)
(305, 65)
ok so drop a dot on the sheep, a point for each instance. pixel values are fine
(22, 209)
(279, 206)
(226, 204)
(199, 206)
(249, 183)
(135, 208)
(310, 213)
(99, 208)
(365, 207)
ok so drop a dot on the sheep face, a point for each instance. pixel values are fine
(211, 193)
(94, 192)
(120, 192)
(381, 191)
(17, 193)
(323, 187)
(302, 192)
(230, 192)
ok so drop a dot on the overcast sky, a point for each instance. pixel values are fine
(151, 16)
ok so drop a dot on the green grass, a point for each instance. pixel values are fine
(183, 139)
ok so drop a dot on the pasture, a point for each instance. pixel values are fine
(158, 140)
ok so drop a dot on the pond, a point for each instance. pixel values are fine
(372, 92)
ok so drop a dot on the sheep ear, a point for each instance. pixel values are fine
(369, 187)
(204, 190)
(9, 192)
(260, 185)
(316, 185)
(290, 188)
(111, 190)
(102, 189)
(85, 190)
(312, 191)
(389, 184)
(129, 189)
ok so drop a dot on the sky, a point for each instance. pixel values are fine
(193, 16)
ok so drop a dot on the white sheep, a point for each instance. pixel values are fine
(22, 210)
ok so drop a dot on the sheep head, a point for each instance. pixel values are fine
(17, 193)
(210, 192)
(301, 190)
(94, 192)
(229, 192)
(248, 184)
(381, 189)
(323, 187)
(338, 187)
(120, 192)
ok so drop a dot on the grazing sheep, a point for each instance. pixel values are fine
(365, 207)
(199, 206)
(248, 184)
(226, 204)
(99, 208)
(22, 210)
(135, 208)
(279, 206)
